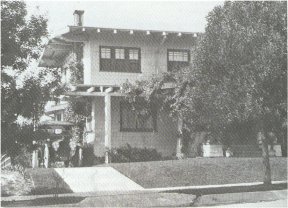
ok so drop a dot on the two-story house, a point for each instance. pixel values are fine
(110, 57)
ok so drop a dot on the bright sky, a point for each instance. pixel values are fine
(182, 16)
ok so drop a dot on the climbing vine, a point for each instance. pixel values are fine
(146, 96)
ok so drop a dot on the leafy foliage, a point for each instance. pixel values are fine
(239, 73)
(21, 37)
(133, 154)
(24, 89)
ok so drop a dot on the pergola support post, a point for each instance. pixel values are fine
(107, 101)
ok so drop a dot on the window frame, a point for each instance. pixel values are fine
(113, 64)
(118, 48)
(105, 53)
(134, 129)
(179, 50)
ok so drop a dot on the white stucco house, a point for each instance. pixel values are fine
(110, 57)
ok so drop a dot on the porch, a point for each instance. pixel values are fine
(113, 123)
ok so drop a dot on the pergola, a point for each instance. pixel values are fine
(105, 91)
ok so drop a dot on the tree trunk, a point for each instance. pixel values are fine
(179, 153)
(265, 156)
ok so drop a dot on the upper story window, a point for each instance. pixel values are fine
(177, 59)
(120, 59)
(133, 54)
(119, 53)
(105, 53)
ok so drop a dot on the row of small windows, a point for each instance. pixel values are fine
(178, 56)
(106, 53)
(133, 54)
(117, 59)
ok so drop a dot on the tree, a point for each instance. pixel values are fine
(21, 37)
(240, 70)
(239, 74)
(24, 90)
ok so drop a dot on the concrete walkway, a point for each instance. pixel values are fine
(93, 179)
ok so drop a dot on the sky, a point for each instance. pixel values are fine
(184, 16)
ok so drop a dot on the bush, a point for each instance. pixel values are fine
(23, 159)
(14, 183)
(133, 154)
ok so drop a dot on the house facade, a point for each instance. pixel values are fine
(110, 58)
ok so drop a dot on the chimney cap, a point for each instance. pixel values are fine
(79, 12)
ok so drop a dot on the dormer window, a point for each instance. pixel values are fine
(177, 59)
(120, 59)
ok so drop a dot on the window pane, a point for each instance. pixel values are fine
(178, 56)
(133, 54)
(119, 53)
(105, 53)
(133, 121)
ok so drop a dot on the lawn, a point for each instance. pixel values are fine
(201, 171)
(188, 172)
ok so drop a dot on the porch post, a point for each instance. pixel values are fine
(107, 126)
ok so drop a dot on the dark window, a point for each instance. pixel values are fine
(131, 120)
(58, 117)
(177, 59)
(120, 59)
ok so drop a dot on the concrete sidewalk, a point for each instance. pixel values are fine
(94, 179)
(151, 199)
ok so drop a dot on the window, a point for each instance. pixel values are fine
(177, 59)
(120, 59)
(105, 53)
(58, 117)
(131, 120)
(119, 53)
(178, 56)
(133, 54)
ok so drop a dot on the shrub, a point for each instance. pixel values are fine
(133, 154)
(23, 159)
(14, 183)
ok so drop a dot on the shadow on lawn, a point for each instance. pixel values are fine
(42, 201)
(235, 189)
(47, 181)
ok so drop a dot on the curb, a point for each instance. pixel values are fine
(213, 186)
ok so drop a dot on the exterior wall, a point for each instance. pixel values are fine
(163, 140)
(153, 56)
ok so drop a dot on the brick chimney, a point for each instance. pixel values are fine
(78, 17)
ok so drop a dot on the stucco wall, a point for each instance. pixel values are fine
(164, 140)
(153, 56)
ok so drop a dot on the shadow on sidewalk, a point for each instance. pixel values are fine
(47, 181)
